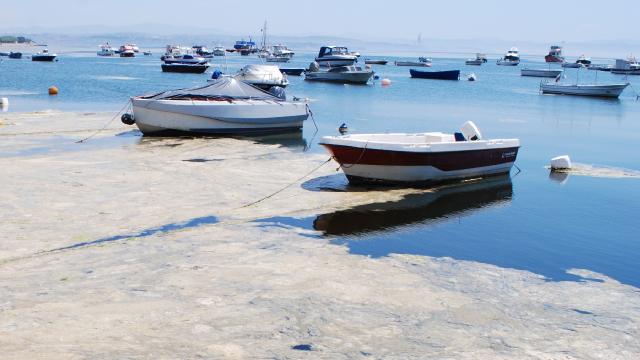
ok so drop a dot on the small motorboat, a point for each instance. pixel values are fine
(184, 59)
(189, 68)
(281, 51)
(262, 76)
(147, 53)
(584, 61)
(549, 73)
(424, 62)
(335, 56)
(554, 55)
(219, 51)
(126, 51)
(375, 62)
(476, 62)
(422, 158)
(629, 66)
(45, 55)
(226, 106)
(105, 50)
(15, 55)
(594, 90)
(511, 58)
(292, 71)
(600, 67)
(569, 65)
(202, 51)
(436, 75)
(341, 74)
(277, 58)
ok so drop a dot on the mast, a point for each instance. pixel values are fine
(264, 36)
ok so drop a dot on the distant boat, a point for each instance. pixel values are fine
(422, 158)
(218, 51)
(479, 60)
(554, 55)
(185, 59)
(375, 62)
(245, 47)
(340, 74)
(511, 58)
(629, 66)
(225, 106)
(105, 50)
(549, 73)
(262, 76)
(422, 61)
(570, 65)
(15, 55)
(44, 55)
(277, 58)
(584, 61)
(2, 53)
(335, 56)
(202, 51)
(608, 91)
(148, 53)
(435, 75)
(126, 51)
(185, 68)
(292, 71)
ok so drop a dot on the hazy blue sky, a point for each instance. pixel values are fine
(551, 21)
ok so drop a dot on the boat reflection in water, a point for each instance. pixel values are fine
(442, 204)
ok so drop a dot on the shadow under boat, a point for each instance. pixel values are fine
(442, 203)
(291, 139)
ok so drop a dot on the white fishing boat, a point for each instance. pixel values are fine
(262, 76)
(282, 51)
(511, 58)
(277, 58)
(340, 74)
(106, 50)
(422, 157)
(595, 90)
(225, 106)
(219, 51)
(629, 66)
(335, 56)
(549, 73)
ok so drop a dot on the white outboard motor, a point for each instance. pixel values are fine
(470, 131)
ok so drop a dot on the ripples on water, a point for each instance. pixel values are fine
(535, 221)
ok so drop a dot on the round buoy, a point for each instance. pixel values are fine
(53, 90)
(127, 119)
(385, 82)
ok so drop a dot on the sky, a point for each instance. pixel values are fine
(540, 21)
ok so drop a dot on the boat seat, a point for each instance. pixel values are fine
(459, 137)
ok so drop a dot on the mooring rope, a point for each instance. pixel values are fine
(286, 186)
(105, 125)
(307, 147)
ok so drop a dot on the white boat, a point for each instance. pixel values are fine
(262, 76)
(422, 61)
(219, 51)
(134, 47)
(550, 73)
(106, 50)
(511, 58)
(44, 55)
(277, 58)
(226, 106)
(421, 158)
(595, 90)
(335, 56)
(174, 52)
(473, 62)
(341, 74)
(126, 51)
(574, 65)
(629, 66)
(185, 59)
(585, 61)
(281, 50)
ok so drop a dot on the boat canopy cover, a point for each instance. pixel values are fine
(261, 72)
(225, 87)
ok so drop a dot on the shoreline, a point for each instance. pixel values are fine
(142, 252)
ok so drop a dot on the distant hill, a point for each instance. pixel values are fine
(10, 39)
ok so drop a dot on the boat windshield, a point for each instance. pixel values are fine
(225, 89)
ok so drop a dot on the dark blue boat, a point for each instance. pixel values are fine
(15, 55)
(438, 75)
(292, 71)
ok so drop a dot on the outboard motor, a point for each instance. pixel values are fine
(470, 131)
(278, 92)
(314, 66)
(216, 74)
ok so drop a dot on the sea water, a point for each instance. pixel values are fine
(533, 220)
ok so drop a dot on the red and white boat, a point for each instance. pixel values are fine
(554, 55)
(421, 158)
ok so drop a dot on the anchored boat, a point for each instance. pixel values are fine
(595, 90)
(511, 58)
(422, 61)
(45, 55)
(421, 158)
(225, 106)
(262, 76)
(549, 73)
(435, 75)
(340, 74)
(335, 56)
(554, 55)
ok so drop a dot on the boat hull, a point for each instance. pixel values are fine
(508, 62)
(376, 62)
(362, 165)
(435, 75)
(336, 60)
(361, 77)
(185, 68)
(474, 62)
(292, 71)
(239, 117)
(606, 91)
(540, 73)
(43, 57)
(553, 59)
(412, 63)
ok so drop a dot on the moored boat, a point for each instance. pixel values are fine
(375, 62)
(550, 73)
(218, 51)
(554, 55)
(421, 158)
(511, 58)
(292, 71)
(226, 106)
(277, 58)
(574, 65)
(189, 68)
(262, 76)
(594, 90)
(629, 66)
(126, 51)
(45, 55)
(584, 61)
(331, 56)
(423, 62)
(105, 50)
(15, 55)
(435, 75)
(340, 74)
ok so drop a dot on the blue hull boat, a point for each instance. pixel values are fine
(15, 55)
(437, 75)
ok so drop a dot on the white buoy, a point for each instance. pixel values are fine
(561, 162)
(471, 77)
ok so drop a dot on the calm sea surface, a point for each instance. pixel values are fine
(530, 221)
